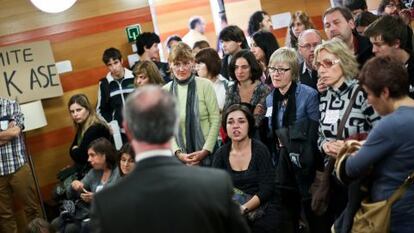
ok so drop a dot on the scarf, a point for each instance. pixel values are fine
(194, 138)
(289, 116)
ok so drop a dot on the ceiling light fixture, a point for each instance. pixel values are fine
(53, 6)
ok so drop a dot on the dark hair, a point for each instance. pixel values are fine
(111, 53)
(212, 60)
(125, 149)
(356, 5)
(254, 22)
(246, 111)
(384, 3)
(146, 39)
(149, 108)
(104, 147)
(267, 42)
(233, 33)
(390, 29)
(364, 19)
(345, 12)
(201, 44)
(193, 22)
(172, 38)
(255, 70)
(384, 71)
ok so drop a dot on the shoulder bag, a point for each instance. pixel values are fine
(320, 188)
(374, 217)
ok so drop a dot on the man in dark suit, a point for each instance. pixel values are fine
(307, 42)
(162, 194)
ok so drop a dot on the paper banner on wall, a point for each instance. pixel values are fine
(281, 20)
(28, 72)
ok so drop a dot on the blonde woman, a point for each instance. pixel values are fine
(146, 72)
(337, 68)
(88, 128)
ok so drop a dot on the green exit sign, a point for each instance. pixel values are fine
(132, 32)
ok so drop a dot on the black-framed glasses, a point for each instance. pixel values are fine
(275, 70)
(326, 63)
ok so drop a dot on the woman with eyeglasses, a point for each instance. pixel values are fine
(292, 115)
(198, 109)
(247, 87)
(337, 69)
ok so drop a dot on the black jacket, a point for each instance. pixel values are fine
(163, 195)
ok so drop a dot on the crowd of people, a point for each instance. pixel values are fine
(273, 118)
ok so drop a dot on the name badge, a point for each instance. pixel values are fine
(331, 117)
(269, 112)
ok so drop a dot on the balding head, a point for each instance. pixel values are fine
(150, 115)
(307, 41)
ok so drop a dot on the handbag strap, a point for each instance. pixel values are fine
(347, 112)
(401, 190)
(331, 161)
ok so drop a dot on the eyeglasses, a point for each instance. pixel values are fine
(309, 46)
(326, 63)
(275, 70)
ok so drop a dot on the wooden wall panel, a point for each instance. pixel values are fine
(173, 15)
(80, 35)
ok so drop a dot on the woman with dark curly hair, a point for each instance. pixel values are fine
(248, 162)
(259, 21)
(247, 87)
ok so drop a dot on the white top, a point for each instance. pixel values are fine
(193, 36)
(220, 89)
(152, 153)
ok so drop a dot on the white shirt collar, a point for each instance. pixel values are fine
(152, 153)
(305, 68)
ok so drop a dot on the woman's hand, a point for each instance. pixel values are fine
(87, 196)
(77, 185)
(321, 86)
(196, 157)
(183, 157)
(259, 110)
(332, 148)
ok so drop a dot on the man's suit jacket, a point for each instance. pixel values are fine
(306, 78)
(163, 195)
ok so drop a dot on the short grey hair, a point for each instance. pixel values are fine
(151, 115)
(288, 55)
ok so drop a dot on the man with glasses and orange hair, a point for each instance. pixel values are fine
(307, 42)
